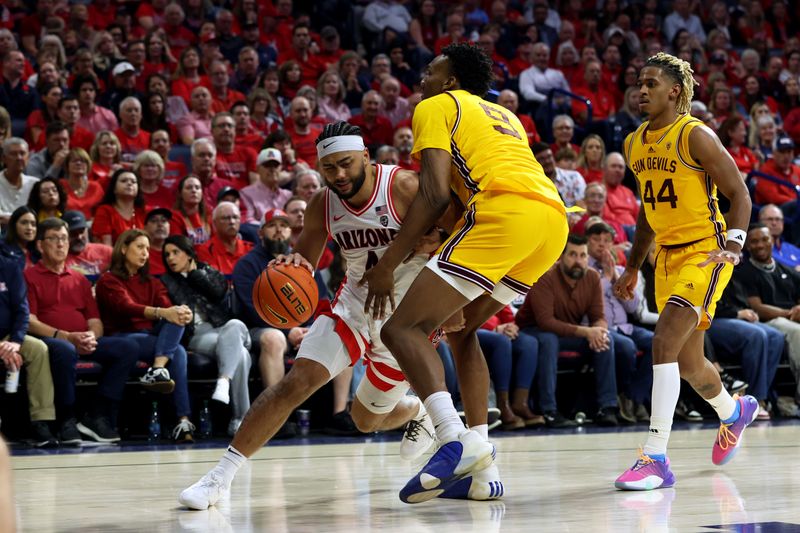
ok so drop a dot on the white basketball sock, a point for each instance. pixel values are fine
(724, 404)
(230, 463)
(666, 389)
(444, 417)
(421, 412)
(482, 430)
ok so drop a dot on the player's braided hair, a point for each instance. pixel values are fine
(471, 67)
(337, 129)
(681, 72)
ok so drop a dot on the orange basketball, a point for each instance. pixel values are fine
(285, 296)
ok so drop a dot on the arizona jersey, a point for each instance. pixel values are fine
(365, 234)
(679, 198)
(488, 145)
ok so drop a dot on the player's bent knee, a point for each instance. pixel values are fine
(365, 421)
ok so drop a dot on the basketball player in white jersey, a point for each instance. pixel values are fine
(362, 208)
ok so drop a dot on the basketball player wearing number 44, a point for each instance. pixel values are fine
(679, 163)
(362, 208)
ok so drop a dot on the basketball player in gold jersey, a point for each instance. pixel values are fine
(513, 229)
(679, 163)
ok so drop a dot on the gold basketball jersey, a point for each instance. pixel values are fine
(679, 198)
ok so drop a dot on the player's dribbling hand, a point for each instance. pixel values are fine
(380, 285)
(292, 259)
(626, 284)
(721, 256)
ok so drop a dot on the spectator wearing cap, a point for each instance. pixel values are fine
(330, 52)
(191, 216)
(88, 258)
(122, 208)
(236, 164)
(274, 235)
(376, 129)
(265, 194)
(634, 374)
(204, 164)
(156, 224)
(225, 247)
(310, 65)
(15, 185)
(82, 193)
(132, 138)
(196, 124)
(222, 96)
(93, 117)
(64, 314)
(123, 86)
(621, 204)
(780, 166)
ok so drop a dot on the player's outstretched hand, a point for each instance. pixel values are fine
(380, 285)
(292, 259)
(626, 284)
(721, 256)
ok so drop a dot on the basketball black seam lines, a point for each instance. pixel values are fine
(281, 298)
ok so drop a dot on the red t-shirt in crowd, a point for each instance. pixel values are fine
(162, 197)
(122, 302)
(108, 221)
(768, 192)
(93, 260)
(379, 133)
(87, 203)
(63, 301)
(217, 255)
(744, 158)
(305, 146)
(621, 205)
(310, 69)
(237, 165)
(183, 87)
(81, 138)
(530, 129)
(156, 262)
(173, 172)
(191, 226)
(132, 145)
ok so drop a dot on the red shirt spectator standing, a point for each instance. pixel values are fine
(303, 133)
(510, 101)
(603, 104)
(780, 166)
(375, 129)
(234, 163)
(225, 248)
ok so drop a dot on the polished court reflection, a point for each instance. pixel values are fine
(553, 483)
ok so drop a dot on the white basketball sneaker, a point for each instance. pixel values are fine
(206, 492)
(418, 438)
(482, 485)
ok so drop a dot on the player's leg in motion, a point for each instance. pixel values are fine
(429, 302)
(473, 380)
(265, 417)
(678, 353)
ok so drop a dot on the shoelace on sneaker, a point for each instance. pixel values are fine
(725, 437)
(184, 425)
(211, 480)
(642, 461)
(412, 430)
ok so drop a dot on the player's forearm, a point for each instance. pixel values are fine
(642, 240)
(738, 217)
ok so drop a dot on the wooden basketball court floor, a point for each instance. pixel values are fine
(554, 482)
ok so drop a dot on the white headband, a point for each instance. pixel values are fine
(342, 143)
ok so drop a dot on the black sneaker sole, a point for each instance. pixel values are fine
(76, 443)
(45, 444)
(85, 430)
(164, 387)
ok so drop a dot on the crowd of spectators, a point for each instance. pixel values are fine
(176, 140)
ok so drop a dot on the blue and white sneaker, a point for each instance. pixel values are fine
(483, 485)
(451, 463)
